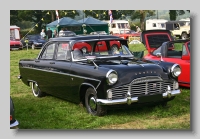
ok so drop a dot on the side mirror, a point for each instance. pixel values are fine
(185, 57)
(91, 59)
(159, 55)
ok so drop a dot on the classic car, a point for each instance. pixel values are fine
(13, 122)
(34, 41)
(15, 44)
(125, 34)
(162, 46)
(101, 80)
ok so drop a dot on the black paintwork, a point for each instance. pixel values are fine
(69, 79)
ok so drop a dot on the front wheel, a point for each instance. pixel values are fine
(36, 90)
(91, 103)
(184, 36)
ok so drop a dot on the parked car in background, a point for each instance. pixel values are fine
(15, 44)
(13, 122)
(125, 34)
(134, 42)
(162, 47)
(102, 78)
(34, 41)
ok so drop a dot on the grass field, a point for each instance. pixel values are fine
(53, 113)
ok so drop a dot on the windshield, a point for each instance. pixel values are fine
(188, 46)
(12, 38)
(34, 37)
(101, 49)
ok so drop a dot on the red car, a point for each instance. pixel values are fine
(85, 47)
(161, 46)
(127, 33)
(15, 44)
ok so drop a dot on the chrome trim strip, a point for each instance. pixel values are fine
(90, 86)
(68, 75)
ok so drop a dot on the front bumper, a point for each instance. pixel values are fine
(129, 100)
(14, 125)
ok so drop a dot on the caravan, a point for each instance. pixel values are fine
(152, 24)
(118, 25)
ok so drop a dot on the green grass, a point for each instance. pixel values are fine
(53, 113)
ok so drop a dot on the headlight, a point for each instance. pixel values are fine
(175, 70)
(112, 77)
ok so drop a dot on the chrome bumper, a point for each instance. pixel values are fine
(129, 99)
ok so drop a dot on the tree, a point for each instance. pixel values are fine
(103, 14)
(141, 14)
(174, 13)
(14, 17)
(39, 17)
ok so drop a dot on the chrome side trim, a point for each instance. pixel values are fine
(90, 86)
(68, 75)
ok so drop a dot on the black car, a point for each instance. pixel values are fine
(13, 122)
(101, 78)
(34, 41)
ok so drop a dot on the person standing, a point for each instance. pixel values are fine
(55, 34)
(42, 34)
(49, 33)
(138, 30)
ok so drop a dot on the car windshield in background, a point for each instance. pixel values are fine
(12, 38)
(34, 37)
(66, 34)
(188, 46)
(101, 51)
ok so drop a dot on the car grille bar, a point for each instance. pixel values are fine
(142, 86)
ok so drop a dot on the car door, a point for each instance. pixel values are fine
(183, 60)
(60, 67)
(45, 72)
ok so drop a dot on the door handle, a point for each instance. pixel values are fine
(52, 62)
(37, 61)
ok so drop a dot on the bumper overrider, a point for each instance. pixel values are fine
(129, 100)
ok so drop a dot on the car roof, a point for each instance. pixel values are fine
(86, 38)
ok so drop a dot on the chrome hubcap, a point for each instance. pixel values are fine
(92, 103)
(35, 89)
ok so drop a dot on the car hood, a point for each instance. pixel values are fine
(128, 72)
(153, 39)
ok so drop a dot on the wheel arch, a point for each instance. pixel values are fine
(82, 92)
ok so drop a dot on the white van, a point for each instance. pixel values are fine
(152, 24)
(118, 25)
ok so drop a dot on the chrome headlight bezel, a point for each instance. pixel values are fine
(175, 70)
(111, 77)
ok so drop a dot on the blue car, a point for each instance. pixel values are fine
(34, 41)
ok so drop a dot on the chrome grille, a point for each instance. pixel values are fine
(142, 86)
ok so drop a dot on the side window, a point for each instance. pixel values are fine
(113, 25)
(184, 51)
(101, 48)
(154, 24)
(63, 52)
(49, 52)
